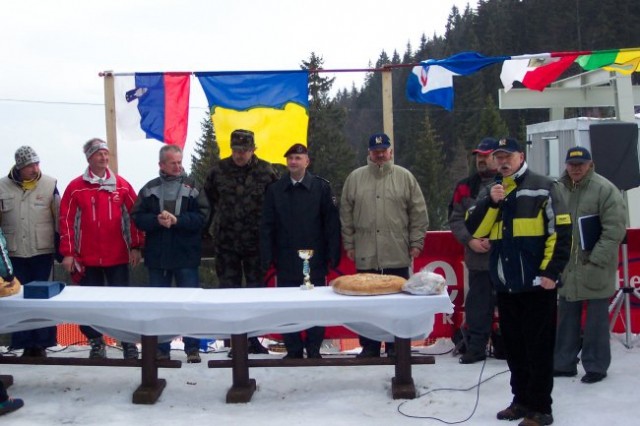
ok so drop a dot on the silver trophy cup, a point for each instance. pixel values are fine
(305, 255)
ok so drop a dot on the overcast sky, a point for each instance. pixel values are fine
(52, 98)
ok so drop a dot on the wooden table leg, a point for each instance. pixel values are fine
(243, 387)
(151, 387)
(402, 386)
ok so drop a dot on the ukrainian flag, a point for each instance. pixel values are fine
(272, 104)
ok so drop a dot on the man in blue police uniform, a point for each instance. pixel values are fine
(299, 213)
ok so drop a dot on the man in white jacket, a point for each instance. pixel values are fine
(30, 203)
(384, 220)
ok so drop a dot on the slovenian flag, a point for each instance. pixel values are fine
(153, 106)
(272, 104)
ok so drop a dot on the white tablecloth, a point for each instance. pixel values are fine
(129, 312)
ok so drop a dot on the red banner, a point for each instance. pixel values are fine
(445, 256)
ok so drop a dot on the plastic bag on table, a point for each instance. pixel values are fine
(424, 283)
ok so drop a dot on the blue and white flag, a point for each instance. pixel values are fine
(432, 81)
(431, 84)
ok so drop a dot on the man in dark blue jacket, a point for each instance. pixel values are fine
(529, 227)
(172, 212)
(299, 213)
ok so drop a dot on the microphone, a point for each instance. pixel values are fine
(498, 181)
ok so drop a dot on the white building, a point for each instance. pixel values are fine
(547, 144)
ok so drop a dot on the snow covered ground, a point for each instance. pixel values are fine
(195, 394)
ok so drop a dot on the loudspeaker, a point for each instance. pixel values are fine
(614, 148)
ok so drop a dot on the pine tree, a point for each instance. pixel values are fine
(206, 152)
(331, 157)
(491, 123)
(429, 170)
(459, 162)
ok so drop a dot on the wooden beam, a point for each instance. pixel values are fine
(110, 120)
(563, 98)
(387, 103)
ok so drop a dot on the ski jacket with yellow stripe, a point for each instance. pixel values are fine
(530, 231)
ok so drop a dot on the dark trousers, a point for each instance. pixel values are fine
(3, 393)
(528, 326)
(27, 269)
(184, 277)
(111, 276)
(373, 346)
(593, 341)
(479, 308)
(231, 266)
(295, 345)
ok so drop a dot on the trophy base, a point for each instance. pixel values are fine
(306, 287)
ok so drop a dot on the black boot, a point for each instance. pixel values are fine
(98, 348)
(390, 349)
(370, 348)
(129, 350)
(255, 347)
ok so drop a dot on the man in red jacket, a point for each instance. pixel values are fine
(98, 239)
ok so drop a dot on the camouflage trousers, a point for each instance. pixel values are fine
(231, 266)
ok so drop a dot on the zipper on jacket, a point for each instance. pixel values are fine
(93, 208)
(574, 246)
(501, 271)
(110, 215)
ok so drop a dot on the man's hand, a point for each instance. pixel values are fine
(67, 263)
(497, 193)
(547, 283)
(480, 245)
(166, 219)
(351, 254)
(134, 257)
(414, 252)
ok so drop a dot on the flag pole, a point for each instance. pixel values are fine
(387, 103)
(110, 119)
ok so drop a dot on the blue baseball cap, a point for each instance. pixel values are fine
(379, 141)
(507, 145)
(578, 155)
(486, 146)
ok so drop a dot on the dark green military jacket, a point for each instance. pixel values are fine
(235, 196)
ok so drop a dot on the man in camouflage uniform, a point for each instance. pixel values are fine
(236, 188)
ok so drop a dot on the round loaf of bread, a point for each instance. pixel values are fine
(366, 284)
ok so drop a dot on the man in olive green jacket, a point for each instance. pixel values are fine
(590, 276)
(384, 220)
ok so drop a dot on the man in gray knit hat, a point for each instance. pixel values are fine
(29, 209)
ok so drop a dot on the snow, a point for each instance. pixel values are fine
(310, 396)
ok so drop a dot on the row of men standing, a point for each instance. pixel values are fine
(257, 220)
(383, 215)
